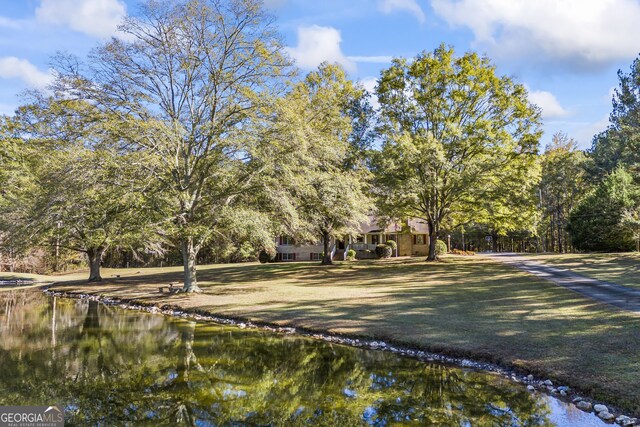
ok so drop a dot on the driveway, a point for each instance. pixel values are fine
(606, 292)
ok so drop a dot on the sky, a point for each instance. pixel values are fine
(566, 52)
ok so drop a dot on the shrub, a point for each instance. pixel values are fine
(441, 248)
(267, 255)
(351, 255)
(383, 251)
(368, 254)
(461, 252)
(392, 244)
(596, 224)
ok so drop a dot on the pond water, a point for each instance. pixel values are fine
(109, 366)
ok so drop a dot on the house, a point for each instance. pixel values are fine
(411, 236)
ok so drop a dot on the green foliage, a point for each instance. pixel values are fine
(620, 143)
(562, 187)
(323, 176)
(441, 248)
(196, 103)
(454, 132)
(392, 244)
(267, 255)
(384, 251)
(16, 180)
(596, 224)
(241, 233)
(77, 193)
(631, 222)
(351, 255)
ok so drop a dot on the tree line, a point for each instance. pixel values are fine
(195, 138)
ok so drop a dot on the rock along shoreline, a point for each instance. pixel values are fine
(532, 383)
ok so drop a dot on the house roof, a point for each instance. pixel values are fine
(418, 226)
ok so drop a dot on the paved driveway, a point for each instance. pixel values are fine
(607, 292)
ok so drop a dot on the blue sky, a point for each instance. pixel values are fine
(566, 52)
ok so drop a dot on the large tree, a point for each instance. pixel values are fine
(562, 187)
(326, 116)
(620, 143)
(84, 203)
(76, 191)
(15, 164)
(187, 81)
(451, 127)
(603, 219)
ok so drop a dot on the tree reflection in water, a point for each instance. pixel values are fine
(110, 366)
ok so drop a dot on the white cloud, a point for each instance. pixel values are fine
(411, 6)
(369, 83)
(580, 33)
(99, 18)
(371, 59)
(548, 103)
(318, 44)
(7, 109)
(12, 67)
(10, 23)
(585, 132)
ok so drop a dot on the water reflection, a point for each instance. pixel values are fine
(109, 366)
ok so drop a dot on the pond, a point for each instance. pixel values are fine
(110, 366)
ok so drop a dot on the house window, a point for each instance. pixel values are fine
(360, 239)
(285, 241)
(420, 239)
(392, 237)
(316, 256)
(288, 257)
(375, 239)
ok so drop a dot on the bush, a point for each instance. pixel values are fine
(383, 251)
(351, 255)
(441, 248)
(461, 252)
(392, 244)
(596, 224)
(267, 255)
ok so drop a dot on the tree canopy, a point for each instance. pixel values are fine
(76, 191)
(186, 84)
(561, 188)
(620, 143)
(596, 224)
(326, 175)
(452, 130)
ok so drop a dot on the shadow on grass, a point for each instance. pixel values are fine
(468, 307)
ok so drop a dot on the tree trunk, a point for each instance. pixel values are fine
(189, 254)
(494, 241)
(326, 258)
(95, 259)
(92, 321)
(552, 226)
(433, 239)
(560, 231)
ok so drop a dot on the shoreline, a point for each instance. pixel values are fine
(533, 383)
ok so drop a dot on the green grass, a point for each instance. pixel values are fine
(620, 268)
(467, 306)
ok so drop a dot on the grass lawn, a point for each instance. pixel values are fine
(467, 306)
(620, 268)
